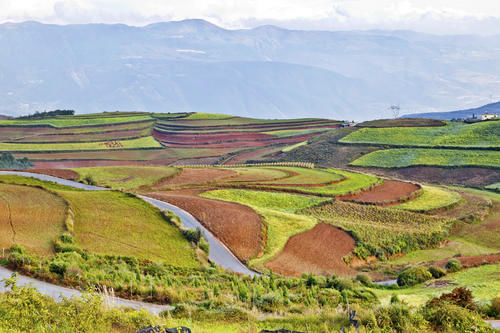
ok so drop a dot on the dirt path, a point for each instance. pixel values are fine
(391, 191)
(472, 261)
(318, 251)
(237, 226)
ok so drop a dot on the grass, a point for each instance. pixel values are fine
(432, 198)
(257, 174)
(483, 134)
(31, 217)
(110, 222)
(278, 211)
(402, 122)
(75, 121)
(292, 147)
(494, 187)
(126, 177)
(295, 132)
(307, 176)
(379, 230)
(145, 142)
(404, 157)
(201, 115)
(484, 281)
(353, 182)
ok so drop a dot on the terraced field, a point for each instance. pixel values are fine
(404, 157)
(431, 198)
(454, 134)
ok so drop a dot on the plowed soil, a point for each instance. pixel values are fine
(473, 260)
(193, 176)
(211, 138)
(237, 226)
(61, 173)
(319, 251)
(389, 191)
(92, 163)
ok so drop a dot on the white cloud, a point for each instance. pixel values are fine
(438, 16)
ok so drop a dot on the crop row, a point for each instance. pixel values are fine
(404, 157)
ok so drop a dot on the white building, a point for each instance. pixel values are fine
(488, 116)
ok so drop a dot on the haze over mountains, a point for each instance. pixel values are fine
(264, 72)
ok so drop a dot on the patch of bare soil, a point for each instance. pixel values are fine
(319, 251)
(473, 260)
(91, 163)
(391, 191)
(472, 208)
(440, 284)
(193, 176)
(61, 173)
(237, 226)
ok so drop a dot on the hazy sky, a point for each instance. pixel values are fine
(435, 16)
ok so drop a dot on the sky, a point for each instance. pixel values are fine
(431, 16)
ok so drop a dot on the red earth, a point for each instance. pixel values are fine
(318, 251)
(390, 191)
(191, 176)
(237, 226)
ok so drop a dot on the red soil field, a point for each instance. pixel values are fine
(473, 260)
(318, 251)
(198, 124)
(85, 137)
(242, 144)
(61, 173)
(209, 137)
(237, 226)
(389, 192)
(189, 176)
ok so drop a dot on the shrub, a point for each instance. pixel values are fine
(413, 276)
(459, 296)
(452, 318)
(193, 236)
(89, 180)
(58, 267)
(270, 302)
(453, 265)
(66, 238)
(204, 246)
(395, 316)
(364, 279)
(436, 272)
(16, 248)
(495, 306)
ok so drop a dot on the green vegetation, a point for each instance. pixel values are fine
(278, 210)
(494, 187)
(48, 114)
(292, 147)
(143, 143)
(413, 276)
(306, 176)
(75, 121)
(7, 161)
(201, 115)
(295, 132)
(483, 134)
(126, 177)
(382, 231)
(404, 157)
(402, 122)
(432, 198)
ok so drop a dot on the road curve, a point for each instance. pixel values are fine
(219, 253)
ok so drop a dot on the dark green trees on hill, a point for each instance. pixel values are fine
(7, 161)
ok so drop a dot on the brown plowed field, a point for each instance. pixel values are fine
(209, 137)
(473, 260)
(61, 173)
(240, 144)
(190, 176)
(319, 251)
(389, 191)
(237, 226)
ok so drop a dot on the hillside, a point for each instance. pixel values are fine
(267, 71)
(462, 114)
(121, 138)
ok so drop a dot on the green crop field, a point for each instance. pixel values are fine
(293, 132)
(494, 187)
(126, 177)
(109, 222)
(404, 157)
(432, 198)
(278, 210)
(292, 147)
(382, 230)
(201, 115)
(145, 142)
(75, 121)
(306, 176)
(31, 217)
(483, 134)
(353, 182)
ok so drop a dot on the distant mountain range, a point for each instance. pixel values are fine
(264, 72)
(462, 114)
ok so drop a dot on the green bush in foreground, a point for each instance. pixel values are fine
(413, 276)
(453, 266)
(436, 272)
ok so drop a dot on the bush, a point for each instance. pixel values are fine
(89, 180)
(459, 296)
(453, 265)
(16, 248)
(66, 238)
(436, 272)
(364, 279)
(495, 306)
(193, 236)
(452, 318)
(413, 276)
(58, 267)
